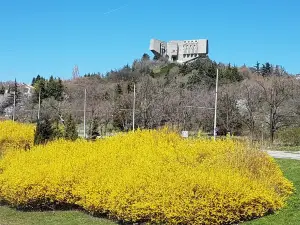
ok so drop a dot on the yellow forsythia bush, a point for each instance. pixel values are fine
(147, 176)
(15, 135)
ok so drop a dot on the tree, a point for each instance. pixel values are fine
(43, 131)
(250, 105)
(130, 87)
(59, 90)
(70, 129)
(145, 57)
(257, 67)
(156, 57)
(228, 113)
(279, 71)
(94, 132)
(2, 90)
(54, 88)
(15, 89)
(39, 89)
(36, 79)
(277, 92)
(266, 69)
(118, 90)
(231, 74)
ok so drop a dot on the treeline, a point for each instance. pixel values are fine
(44, 88)
(254, 101)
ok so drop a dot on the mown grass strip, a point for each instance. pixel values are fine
(10, 216)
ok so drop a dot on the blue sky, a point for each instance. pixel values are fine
(50, 37)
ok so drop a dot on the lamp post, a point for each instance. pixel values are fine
(216, 104)
(84, 115)
(39, 107)
(14, 109)
(133, 108)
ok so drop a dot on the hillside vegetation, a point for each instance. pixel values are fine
(258, 102)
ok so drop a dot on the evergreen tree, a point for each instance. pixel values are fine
(15, 89)
(2, 90)
(58, 130)
(266, 69)
(156, 57)
(70, 129)
(94, 128)
(257, 67)
(231, 74)
(118, 90)
(54, 89)
(40, 88)
(33, 81)
(43, 132)
(145, 57)
(130, 88)
(51, 87)
(38, 78)
(59, 90)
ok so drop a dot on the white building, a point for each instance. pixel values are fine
(180, 51)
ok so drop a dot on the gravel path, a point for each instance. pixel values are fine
(284, 155)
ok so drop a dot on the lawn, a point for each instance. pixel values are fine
(287, 216)
(13, 217)
(290, 215)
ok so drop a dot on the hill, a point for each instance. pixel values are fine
(254, 101)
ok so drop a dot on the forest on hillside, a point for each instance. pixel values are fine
(262, 100)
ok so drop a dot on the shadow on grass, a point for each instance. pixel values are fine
(59, 207)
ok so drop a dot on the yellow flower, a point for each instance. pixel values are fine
(149, 175)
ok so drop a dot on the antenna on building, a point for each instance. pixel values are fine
(75, 72)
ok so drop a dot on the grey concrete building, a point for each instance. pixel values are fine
(179, 51)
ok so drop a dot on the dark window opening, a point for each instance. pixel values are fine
(174, 58)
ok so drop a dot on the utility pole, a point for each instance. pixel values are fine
(216, 104)
(133, 108)
(14, 110)
(39, 109)
(262, 134)
(84, 114)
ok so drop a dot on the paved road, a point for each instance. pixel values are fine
(284, 155)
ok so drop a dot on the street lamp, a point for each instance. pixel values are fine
(216, 104)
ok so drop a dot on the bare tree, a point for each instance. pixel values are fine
(277, 93)
(250, 104)
(228, 113)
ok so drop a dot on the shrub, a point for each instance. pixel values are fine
(44, 131)
(148, 176)
(15, 135)
(290, 136)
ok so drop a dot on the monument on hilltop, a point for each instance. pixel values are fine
(179, 51)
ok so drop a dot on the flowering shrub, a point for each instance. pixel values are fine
(15, 135)
(147, 176)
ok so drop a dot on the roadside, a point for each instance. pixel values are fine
(284, 154)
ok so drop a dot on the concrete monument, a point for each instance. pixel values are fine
(180, 51)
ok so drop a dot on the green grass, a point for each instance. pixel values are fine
(290, 215)
(10, 216)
